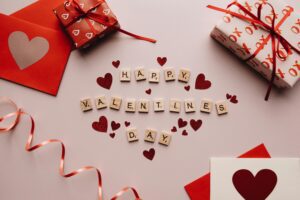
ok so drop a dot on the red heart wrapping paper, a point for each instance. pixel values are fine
(200, 188)
(40, 61)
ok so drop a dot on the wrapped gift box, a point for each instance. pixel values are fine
(86, 20)
(244, 38)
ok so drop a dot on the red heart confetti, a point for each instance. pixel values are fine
(228, 96)
(161, 60)
(187, 88)
(196, 124)
(112, 135)
(101, 125)
(174, 129)
(201, 83)
(148, 91)
(255, 187)
(181, 123)
(116, 63)
(185, 133)
(127, 123)
(149, 154)
(115, 125)
(105, 81)
(234, 99)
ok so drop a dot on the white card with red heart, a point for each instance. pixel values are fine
(255, 179)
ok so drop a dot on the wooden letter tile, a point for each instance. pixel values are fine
(165, 138)
(206, 105)
(221, 107)
(125, 75)
(169, 74)
(86, 105)
(184, 75)
(130, 105)
(115, 103)
(158, 105)
(143, 106)
(101, 102)
(140, 74)
(189, 106)
(132, 135)
(175, 105)
(150, 135)
(154, 76)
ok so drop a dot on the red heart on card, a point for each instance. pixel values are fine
(161, 60)
(228, 96)
(115, 125)
(234, 99)
(112, 135)
(196, 124)
(116, 63)
(187, 88)
(201, 83)
(174, 129)
(101, 125)
(257, 187)
(184, 133)
(149, 154)
(127, 123)
(105, 81)
(181, 123)
(148, 91)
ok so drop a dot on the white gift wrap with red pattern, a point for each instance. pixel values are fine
(243, 38)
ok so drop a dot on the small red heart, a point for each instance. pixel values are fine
(149, 154)
(184, 133)
(181, 123)
(196, 124)
(174, 129)
(201, 83)
(105, 81)
(148, 91)
(116, 63)
(257, 187)
(112, 135)
(187, 88)
(115, 125)
(234, 99)
(228, 96)
(161, 60)
(127, 123)
(101, 125)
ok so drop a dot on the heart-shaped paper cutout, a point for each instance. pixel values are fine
(187, 87)
(184, 133)
(234, 99)
(174, 129)
(201, 83)
(101, 125)
(228, 96)
(105, 81)
(196, 124)
(252, 187)
(115, 125)
(127, 123)
(161, 60)
(112, 135)
(27, 52)
(181, 123)
(148, 91)
(116, 63)
(149, 154)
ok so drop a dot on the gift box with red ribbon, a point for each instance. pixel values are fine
(266, 35)
(87, 20)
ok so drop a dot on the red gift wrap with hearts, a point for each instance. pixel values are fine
(87, 20)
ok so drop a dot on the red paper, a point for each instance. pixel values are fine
(200, 188)
(36, 20)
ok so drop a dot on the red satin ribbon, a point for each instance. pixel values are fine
(30, 148)
(103, 20)
(274, 35)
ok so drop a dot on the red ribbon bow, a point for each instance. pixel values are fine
(274, 34)
(17, 114)
(101, 19)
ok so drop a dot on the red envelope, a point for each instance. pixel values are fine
(24, 38)
(200, 188)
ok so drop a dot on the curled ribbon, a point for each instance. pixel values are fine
(18, 113)
(104, 20)
(273, 31)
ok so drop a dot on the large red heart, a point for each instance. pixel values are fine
(101, 125)
(201, 83)
(181, 123)
(115, 125)
(161, 60)
(252, 187)
(105, 81)
(196, 124)
(149, 154)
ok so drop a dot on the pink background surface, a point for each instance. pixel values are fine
(182, 29)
